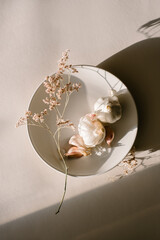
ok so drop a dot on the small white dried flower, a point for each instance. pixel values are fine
(44, 112)
(65, 123)
(21, 121)
(36, 117)
(130, 162)
(28, 114)
(46, 100)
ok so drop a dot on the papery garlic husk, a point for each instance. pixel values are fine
(91, 130)
(108, 109)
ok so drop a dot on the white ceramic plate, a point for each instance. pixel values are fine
(95, 83)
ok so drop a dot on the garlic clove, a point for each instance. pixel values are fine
(77, 140)
(109, 135)
(77, 152)
(91, 130)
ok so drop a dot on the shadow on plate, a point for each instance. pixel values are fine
(138, 68)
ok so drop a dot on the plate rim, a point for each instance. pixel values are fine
(92, 174)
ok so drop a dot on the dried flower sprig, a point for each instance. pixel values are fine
(129, 162)
(55, 87)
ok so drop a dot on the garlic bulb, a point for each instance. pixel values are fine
(91, 130)
(108, 109)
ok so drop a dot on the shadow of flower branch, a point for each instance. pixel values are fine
(151, 28)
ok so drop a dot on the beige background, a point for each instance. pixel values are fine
(33, 33)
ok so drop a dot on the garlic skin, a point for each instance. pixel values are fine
(91, 130)
(77, 140)
(109, 135)
(78, 148)
(108, 109)
(76, 152)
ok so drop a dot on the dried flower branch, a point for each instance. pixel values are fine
(55, 87)
(129, 162)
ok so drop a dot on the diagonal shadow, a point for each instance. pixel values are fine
(138, 68)
(126, 209)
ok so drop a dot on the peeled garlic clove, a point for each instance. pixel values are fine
(77, 140)
(109, 135)
(77, 152)
(108, 109)
(91, 130)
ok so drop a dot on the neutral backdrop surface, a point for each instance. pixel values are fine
(121, 36)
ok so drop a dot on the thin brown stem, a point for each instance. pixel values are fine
(65, 169)
(35, 125)
(65, 187)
